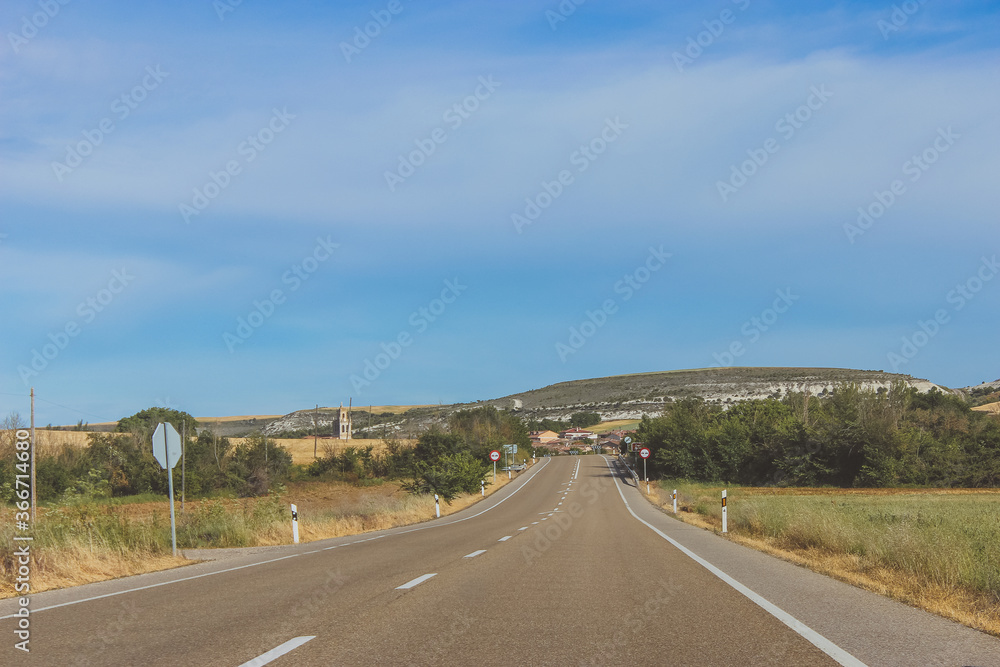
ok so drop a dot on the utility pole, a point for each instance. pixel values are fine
(215, 445)
(315, 434)
(34, 504)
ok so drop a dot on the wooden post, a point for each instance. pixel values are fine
(183, 460)
(34, 495)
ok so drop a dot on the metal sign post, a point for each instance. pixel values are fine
(644, 453)
(494, 456)
(513, 450)
(166, 451)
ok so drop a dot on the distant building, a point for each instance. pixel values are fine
(543, 437)
(577, 434)
(344, 424)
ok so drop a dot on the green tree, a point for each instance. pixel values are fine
(260, 464)
(485, 428)
(144, 422)
(584, 419)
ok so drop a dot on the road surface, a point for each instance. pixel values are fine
(567, 565)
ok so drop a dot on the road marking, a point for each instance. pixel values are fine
(577, 471)
(523, 528)
(534, 523)
(277, 652)
(813, 637)
(416, 582)
(162, 583)
(474, 553)
(272, 560)
(504, 539)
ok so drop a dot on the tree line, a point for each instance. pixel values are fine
(446, 461)
(855, 437)
(122, 464)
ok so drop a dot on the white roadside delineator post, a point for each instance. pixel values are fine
(295, 524)
(725, 527)
(675, 501)
(437, 506)
(482, 484)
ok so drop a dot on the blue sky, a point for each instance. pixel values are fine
(567, 191)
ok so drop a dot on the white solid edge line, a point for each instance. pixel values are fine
(474, 553)
(416, 582)
(162, 583)
(264, 562)
(449, 523)
(277, 652)
(813, 637)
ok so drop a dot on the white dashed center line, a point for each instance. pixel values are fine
(416, 582)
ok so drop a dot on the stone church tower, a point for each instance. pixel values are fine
(345, 423)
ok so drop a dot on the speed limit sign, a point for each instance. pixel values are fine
(644, 452)
(494, 455)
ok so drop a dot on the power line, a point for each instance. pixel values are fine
(66, 407)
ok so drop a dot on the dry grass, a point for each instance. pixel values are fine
(79, 565)
(86, 543)
(51, 440)
(623, 424)
(991, 408)
(301, 449)
(394, 409)
(937, 550)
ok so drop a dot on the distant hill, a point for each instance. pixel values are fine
(618, 397)
(626, 396)
(631, 396)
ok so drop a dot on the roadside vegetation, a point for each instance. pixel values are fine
(103, 512)
(852, 438)
(934, 549)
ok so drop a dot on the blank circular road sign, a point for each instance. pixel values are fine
(644, 452)
(494, 455)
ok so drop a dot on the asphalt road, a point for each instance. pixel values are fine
(568, 565)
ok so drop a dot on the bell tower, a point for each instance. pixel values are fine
(345, 423)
